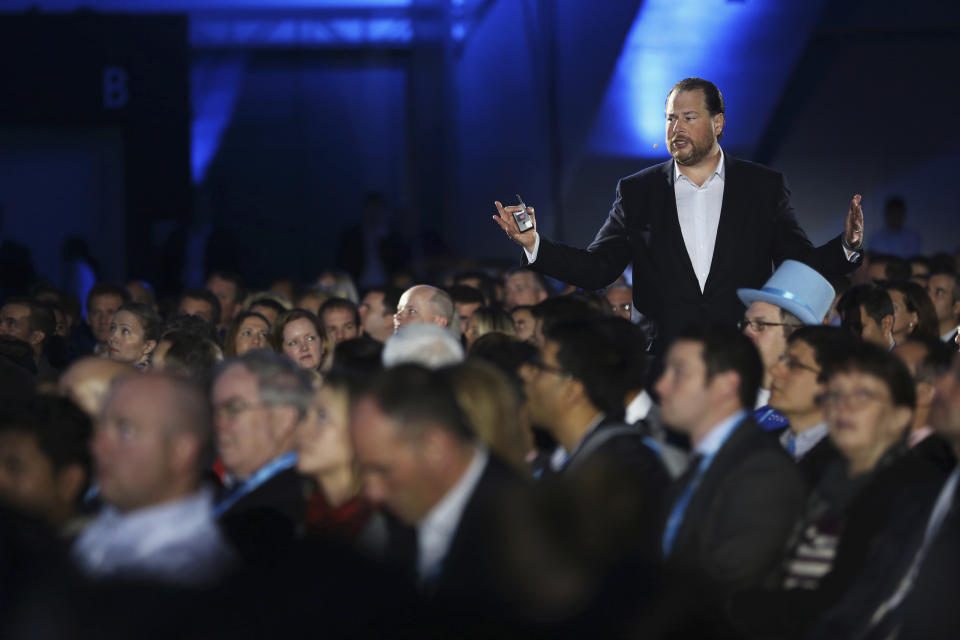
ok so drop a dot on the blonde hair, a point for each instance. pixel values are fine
(492, 407)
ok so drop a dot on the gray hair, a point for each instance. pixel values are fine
(422, 343)
(442, 304)
(280, 382)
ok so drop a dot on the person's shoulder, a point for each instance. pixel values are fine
(655, 172)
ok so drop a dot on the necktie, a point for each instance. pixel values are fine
(792, 443)
(688, 481)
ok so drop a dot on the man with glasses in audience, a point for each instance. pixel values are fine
(259, 399)
(795, 295)
(796, 392)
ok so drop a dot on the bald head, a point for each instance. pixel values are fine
(423, 303)
(88, 380)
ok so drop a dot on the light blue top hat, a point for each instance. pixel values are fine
(799, 289)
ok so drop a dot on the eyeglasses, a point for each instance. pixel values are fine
(856, 399)
(233, 408)
(759, 326)
(795, 365)
(626, 306)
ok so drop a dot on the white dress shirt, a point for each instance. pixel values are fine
(435, 532)
(638, 408)
(698, 211)
(176, 542)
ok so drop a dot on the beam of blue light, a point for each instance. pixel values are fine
(746, 48)
(215, 83)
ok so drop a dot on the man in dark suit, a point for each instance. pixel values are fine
(695, 228)
(730, 514)
(258, 401)
(575, 390)
(419, 460)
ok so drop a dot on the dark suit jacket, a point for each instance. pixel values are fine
(468, 578)
(738, 520)
(758, 230)
(264, 522)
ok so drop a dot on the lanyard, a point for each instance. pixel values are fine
(264, 473)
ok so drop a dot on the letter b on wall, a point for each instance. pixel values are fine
(115, 92)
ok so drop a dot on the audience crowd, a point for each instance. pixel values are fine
(481, 455)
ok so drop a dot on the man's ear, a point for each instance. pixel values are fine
(886, 324)
(36, 338)
(726, 384)
(185, 450)
(441, 321)
(719, 122)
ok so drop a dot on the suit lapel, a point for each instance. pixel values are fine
(730, 230)
(673, 226)
(711, 480)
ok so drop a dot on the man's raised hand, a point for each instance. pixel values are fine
(504, 218)
(853, 230)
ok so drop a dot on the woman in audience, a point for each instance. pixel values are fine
(487, 319)
(337, 507)
(134, 333)
(913, 311)
(299, 335)
(493, 408)
(249, 330)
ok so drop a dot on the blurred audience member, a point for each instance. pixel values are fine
(337, 509)
(523, 322)
(867, 312)
(944, 290)
(927, 358)
(150, 445)
(34, 323)
(377, 310)
(493, 408)
(88, 380)
(425, 344)
(248, 330)
(340, 319)
(298, 335)
(620, 297)
(229, 289)
(259, 399)
(202, 303)
(524, 287)
(141, 291)
(45, 459)
(913, 311)
(134, 333)
(485, 320)
(311, 300)
(420, 460)
(466, 300)
(920, 270)
(187, 354)
(102, 302)
(731, 512)
(267, 304)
